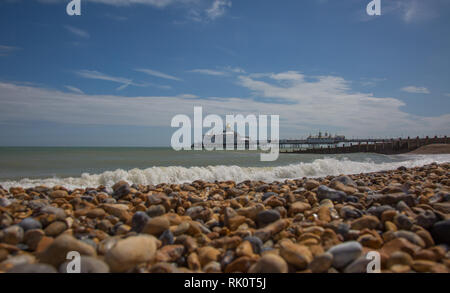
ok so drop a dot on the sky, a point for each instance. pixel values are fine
(119, 73)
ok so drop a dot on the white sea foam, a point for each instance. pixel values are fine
(156, 175)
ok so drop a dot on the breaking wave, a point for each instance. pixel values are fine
(156, 175)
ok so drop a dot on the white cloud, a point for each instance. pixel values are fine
(125, 82)
(288, 76)
(304, 105)
(157, 74)
(7, 50)
(209, 72)
(330, 101)
(235, 69)
(415, 90)
(409, 11)
(197, 10)
(155, 3)
(417, 10)
(78, 32)
(224, 71)
(371, 82)
(218, 9)
(74, 89)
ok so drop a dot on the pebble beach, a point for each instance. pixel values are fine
(320, 225)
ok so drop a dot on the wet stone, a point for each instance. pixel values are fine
(325, 192)
(426, 219)
(56, 252)
(266, 217)
(266, 195)
(321, 263)
(88, 265)
(4, 202)
(156, 210)
(55, 228)
(269, 264)
(138, 221)
(358, 266)
(13, 235)
(167, 238)
(441, 232)
(29, 224)
(403, 222)
(126, 254)
(345, 253)
(156, 226)
(121, 189)
(256, 243)
(36, 268)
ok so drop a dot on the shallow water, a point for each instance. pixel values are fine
(82, 167)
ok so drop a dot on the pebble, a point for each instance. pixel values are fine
(13, 235)
(155, 211)
(403, 222)
(345, 253)
(170, 253)
(311, 184)
(324, 192)
(14, 261)
(59, 213)
(156, 226)
(304, 225)
(4, 202)
(33, 237)
(441, 232)
(365, 222)
(138, 221)
(267, 195)
(321, 263)
(88, 265)
(55, 228)
(400, 244)
(59, 194)
(29, 224)
(126, 254)
(167, 238)
(266, 217)
(297, 255)
(358, 266)
(299, 207)
(269, 264)
(426, 219)
(121, 189)
(56, 252)
(35, 268)
(346, 180)
(257, 244)
(208, 254)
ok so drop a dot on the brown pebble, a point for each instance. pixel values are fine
(156, 226)
(55, 228)
(208, 254)
(269, 264)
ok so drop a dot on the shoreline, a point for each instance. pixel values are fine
(291, 170)
(432, 149)
(316, 225)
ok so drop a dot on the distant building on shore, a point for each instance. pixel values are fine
(216, 140)
(325, 138)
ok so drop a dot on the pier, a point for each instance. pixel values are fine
(344, 145)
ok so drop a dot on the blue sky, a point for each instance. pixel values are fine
(118, 74)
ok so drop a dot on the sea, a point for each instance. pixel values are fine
(81, 167)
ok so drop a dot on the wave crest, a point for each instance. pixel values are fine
(157, 175)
